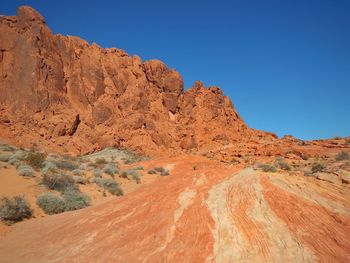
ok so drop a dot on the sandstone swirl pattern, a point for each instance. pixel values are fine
(216, 213)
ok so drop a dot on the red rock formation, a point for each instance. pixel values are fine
(46, 80)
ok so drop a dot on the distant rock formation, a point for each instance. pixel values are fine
(47, 80)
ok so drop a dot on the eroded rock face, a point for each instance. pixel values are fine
(46, 80)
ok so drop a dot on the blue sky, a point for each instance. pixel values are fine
(285, 64)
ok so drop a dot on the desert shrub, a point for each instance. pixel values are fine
(138, 168)
(79, 179)
(337, 138)
(66, 164)
(105, 183)
(58, 181)
(83, 167)
(131, 174)
(308, 173)
(132, 157)
(152, 171)
(49, 168)
(159, 169)
(305, 156)
(317, 167)
(135, 175)
(15, 209)
(51, 204)
(75, 200)
(77, 172)
(14, 161)
(282, 164)
(70, 157)
(26, 170)
(5, 158)
(83, 159)
(97, 172)
(124, 174)
(93, 165)
(100, 161)
(342, 156)
(165, 173)
(7, 148)
(110, 169)
(35, 159)
(110, 185)
(116, 190)
(267, 168)
(20, 155)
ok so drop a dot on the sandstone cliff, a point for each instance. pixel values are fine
(67, 95)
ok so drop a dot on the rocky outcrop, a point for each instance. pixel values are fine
(47, 80)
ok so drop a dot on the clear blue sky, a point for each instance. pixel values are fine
(285, 64)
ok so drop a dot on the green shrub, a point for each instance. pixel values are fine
(20, 155)
(77, 172)
(26, 170)
(138, 168)
(51, 204)
(110, 169)
(131, 174)
(7, 148)
(110, 185)
(14, 161)
(282, 164)
(159, 169)
(79, 179)
(152, 171)
(15, 209)
(49, 169)
(135, 175)
(268, 168)
(75, 200)
(5, 157)
(58, 181)
(91, 166)
(124, 174)
(342, 156)
(100, 161)
(117, 190)
(66, 164)
(105, 183)
(35, 159)
(165, 173)
(97, 173)
(317, 167)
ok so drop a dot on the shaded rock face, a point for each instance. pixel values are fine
(47, 80)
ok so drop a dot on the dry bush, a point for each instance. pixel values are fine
(51, 204)
(15, 209)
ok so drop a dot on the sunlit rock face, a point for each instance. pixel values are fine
(47, 80)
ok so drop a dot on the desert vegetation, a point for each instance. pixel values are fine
(63, 179)
(25, 170)
(342, 156)
(14, 209)
(267, 168)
